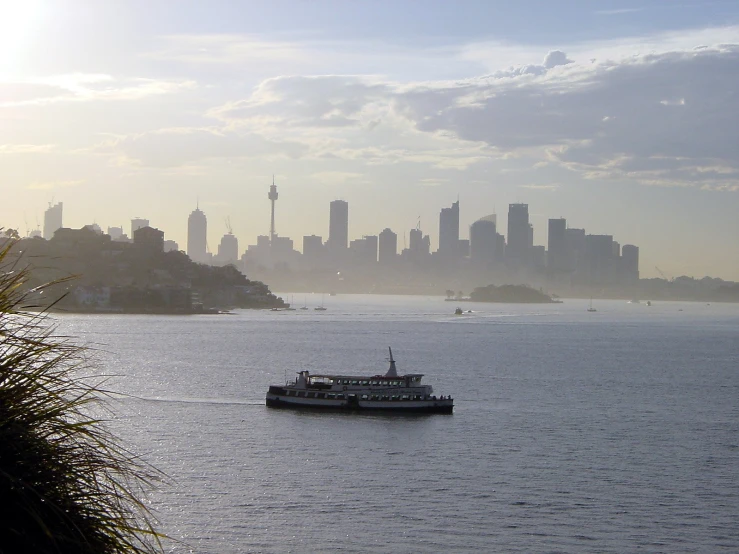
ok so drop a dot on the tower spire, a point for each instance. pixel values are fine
(272, 197)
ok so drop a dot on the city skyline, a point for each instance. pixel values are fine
(617, 118)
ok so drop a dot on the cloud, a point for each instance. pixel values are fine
(183, 146)
(79, 87)
(53, 185)
(550, 188)
(25, 148)
(665, 118)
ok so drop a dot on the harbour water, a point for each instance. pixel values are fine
(613, 431)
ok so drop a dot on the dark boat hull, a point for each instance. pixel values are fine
(417, 407)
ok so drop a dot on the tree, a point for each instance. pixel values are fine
(67, 484)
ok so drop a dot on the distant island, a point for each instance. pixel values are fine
(510, 294)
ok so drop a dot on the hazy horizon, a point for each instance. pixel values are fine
(622, 119)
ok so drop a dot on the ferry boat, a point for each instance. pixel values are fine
(388, 393)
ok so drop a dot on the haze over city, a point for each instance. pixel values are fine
(619, 117)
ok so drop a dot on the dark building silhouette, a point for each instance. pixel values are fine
(228, 249)
(449, 231)
(388, 247)
(419, 246)
(520, 234)
(149, 239)
(483, 243)
(557, 246)
(338, 228)
(312, 249)
(52, 220)
(630, 262)
(364, 250)
(197, 232)
(599, 259)
(138, 223)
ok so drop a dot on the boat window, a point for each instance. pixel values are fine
(365, 383)
(364, 397)
(320, 395)
(355, 382)
(301, 393)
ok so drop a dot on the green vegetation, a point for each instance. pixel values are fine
(124, 277)
(520, 294)
(66, 484)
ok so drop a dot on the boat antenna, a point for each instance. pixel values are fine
(392, 371)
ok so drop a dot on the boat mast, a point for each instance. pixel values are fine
(391, 372)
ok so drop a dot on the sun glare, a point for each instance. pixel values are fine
(18, 19)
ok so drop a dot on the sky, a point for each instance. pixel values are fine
(622, 117)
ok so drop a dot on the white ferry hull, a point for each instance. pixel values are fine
(430, 406)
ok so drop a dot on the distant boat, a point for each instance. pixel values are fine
(649, 302)
(290, 306)
(590, 306)
(458, 311)
(320, 308)
(305, 304)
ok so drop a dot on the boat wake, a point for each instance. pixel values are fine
(190, 400)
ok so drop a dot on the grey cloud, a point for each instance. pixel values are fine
(668, 118)
(324, 101)
(177, 147)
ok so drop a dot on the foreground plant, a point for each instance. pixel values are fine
(67, 485)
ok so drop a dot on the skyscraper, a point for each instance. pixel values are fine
(519, 233)
(228, 249)
(630, 261)
(483, 242)
(138, 223)
(197, 231)
(449, 231)
(557, 246)
(338, 227)
(52, 220)
(388, 247)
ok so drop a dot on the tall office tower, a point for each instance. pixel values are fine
(483, 242)
(519, 232)
(52, 220)
(388, 247)
(364, 250)
(138, 223)
(630, 261)
(228, 249)
(557, 246)
(115, 232)
(272, 198)
(419, 245)
(312, 249)
(449, 231)
(197, 232)
(338, 227)
(599, 259)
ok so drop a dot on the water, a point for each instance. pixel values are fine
(613, 431)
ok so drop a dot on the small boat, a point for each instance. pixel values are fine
(305, 304)
(590, 306)
(649, 302)
(458, 311)
(321, 307)
(386, 393)
(290, 305)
